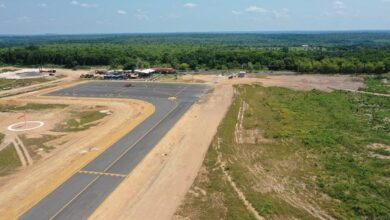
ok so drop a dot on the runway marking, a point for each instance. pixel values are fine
(155, 90)
(182, 90)
(119, 94)
(77, 195)
(150, 130)
(113, 163)
(102, 174)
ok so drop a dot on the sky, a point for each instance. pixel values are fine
(160, 16)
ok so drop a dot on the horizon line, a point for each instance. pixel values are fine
(204, 32)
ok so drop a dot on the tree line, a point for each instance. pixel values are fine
(190, 56)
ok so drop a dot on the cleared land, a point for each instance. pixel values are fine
(293, 154)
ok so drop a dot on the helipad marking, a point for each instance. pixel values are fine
(15, 127)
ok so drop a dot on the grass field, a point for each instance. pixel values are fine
(313, 156)
(6, 84)
(80, 121)
(29, 107)
(378, 84)
(9, 160)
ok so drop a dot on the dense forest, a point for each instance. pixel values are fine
(314, 52)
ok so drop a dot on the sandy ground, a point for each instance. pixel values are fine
(156, 188)
(319, 82)
(297, 82)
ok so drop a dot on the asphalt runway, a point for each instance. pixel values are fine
(81, 194)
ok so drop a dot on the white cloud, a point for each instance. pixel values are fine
(338, 4)
(235, 12)
(339, 9)
(256, 9)
(268, 13)
(2, 5)
(141, 15)
(84, 5)
(43, 5)
(284, 13)
(121, 12)
(190, 5)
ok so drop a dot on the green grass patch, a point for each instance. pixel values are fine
(7, 70)
(381, 151)
(34, 144)
(6, 84)
(337, 128)
(9, 160)
(80, 121)
(377, 84)
(30, 107)
(318, 139)
(2, 136)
